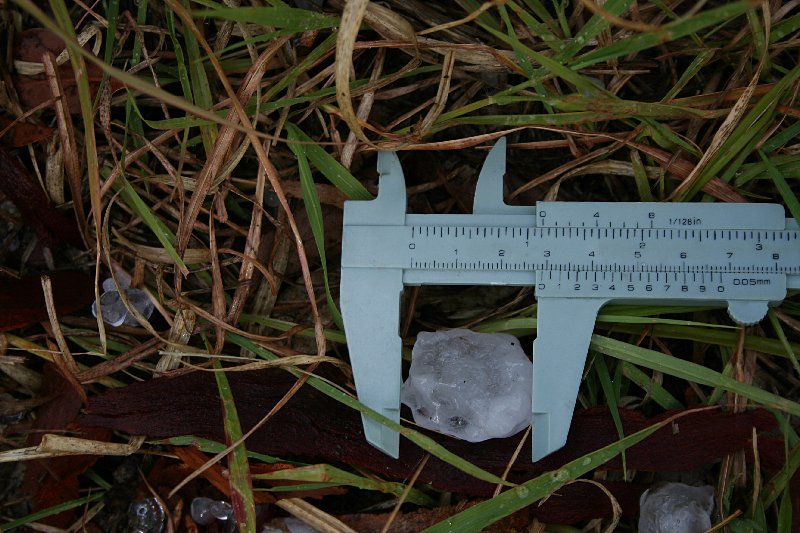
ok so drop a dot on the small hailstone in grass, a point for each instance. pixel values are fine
(206, 511)
(676, 508)
(146, 516)
(473, 386)
(114, 311)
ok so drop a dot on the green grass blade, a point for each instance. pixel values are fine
(689, 371)
(659, 394)
(242, 500)
(156, 225)
(744, 136)
(785, 513)
(314, 211)
(592, 29)
(285, 18)
(776, 485)
(332, 391)
(301, 330)
(776, 325)
(783, 187)
(485, 513)
(537, 29)
(700, 60)
(50, 511)
(668, 32)
(612, 400)
(210, 446)
(330, 475)
(339, 176)
(782, 138)
(201, 88)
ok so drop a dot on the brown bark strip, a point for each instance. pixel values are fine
(315, 428)
(51, 226)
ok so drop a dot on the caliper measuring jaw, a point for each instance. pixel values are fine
(578, 256)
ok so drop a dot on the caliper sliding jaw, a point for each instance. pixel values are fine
(374, 272)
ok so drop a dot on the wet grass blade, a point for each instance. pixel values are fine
(743, 138)
(286, 18)
(314, 211)
(423, 441)
(782, 186)
(242, 499)
(332, 476)
(486, 513)
(50, 511)
(668, 32)
(156, 225)
(690, 372)
(298, 329)
(337, 174)
(612, 399)
(659, 394)
(210, 446)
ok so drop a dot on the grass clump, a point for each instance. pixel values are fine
(215, 144)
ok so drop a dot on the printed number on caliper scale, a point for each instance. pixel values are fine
(578, 256)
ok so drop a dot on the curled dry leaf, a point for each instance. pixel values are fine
(161, 256)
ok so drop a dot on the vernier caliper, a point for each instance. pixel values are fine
(578, 256)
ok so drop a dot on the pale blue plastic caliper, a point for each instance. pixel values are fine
(578, 256)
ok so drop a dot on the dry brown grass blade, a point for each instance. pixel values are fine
(364, 108)
(120, 362)
(352, 15)
(674, 165)
(460, 144)
(66, 133)
(441, 95)
(132, 157)
(615, 506)
(54, 170)
(402, 498)
(316, 518)
(389, 25)
(63, 356)
(271, 171)
(266, 295)
(555, 173)
(249, 257)
(217, 289)
(179, 335)
(153, 254)
(103, 234)
(283, 362)
(486, 6)
(731, 121)
(512, 460)
(215, 161)
(60, 446)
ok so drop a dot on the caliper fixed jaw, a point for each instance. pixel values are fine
(370, 305)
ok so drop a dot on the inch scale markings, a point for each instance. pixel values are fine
(578, 256)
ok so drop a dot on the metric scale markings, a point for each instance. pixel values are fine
(577, 256)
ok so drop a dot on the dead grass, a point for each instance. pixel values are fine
(207, 147)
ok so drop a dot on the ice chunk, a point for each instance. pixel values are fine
(146, 516)
(474, 386)
(206, 511)
(114, 311)
(676, 508)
